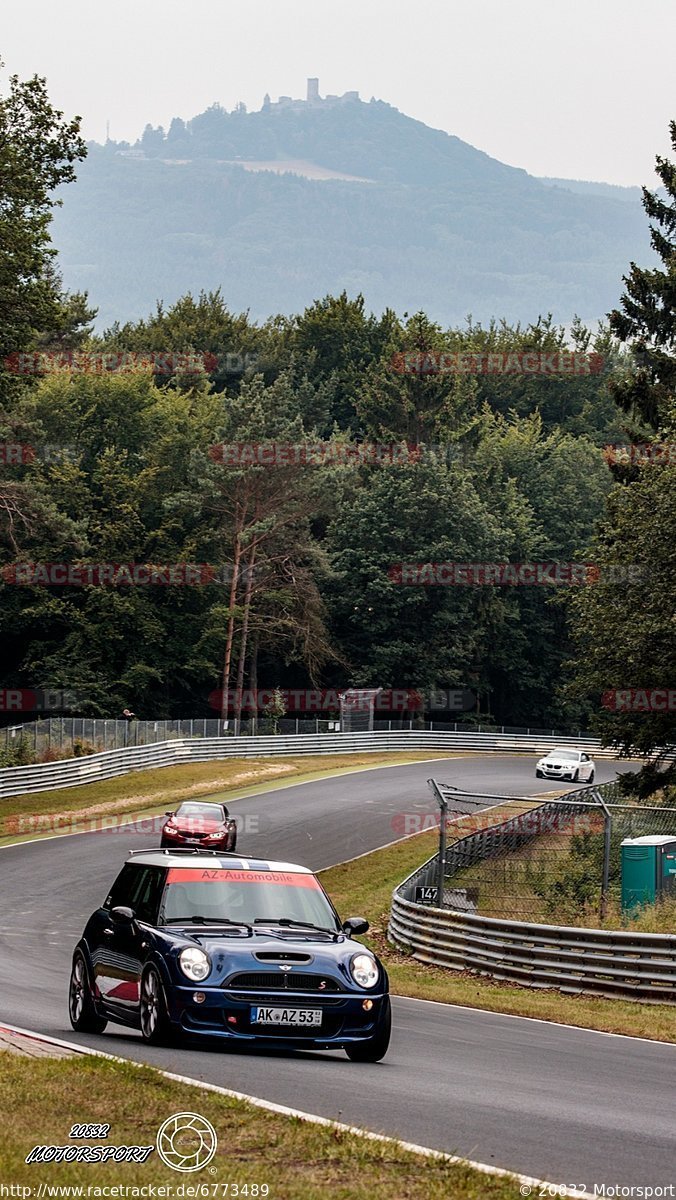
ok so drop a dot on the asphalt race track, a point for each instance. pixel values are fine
(569, 1105)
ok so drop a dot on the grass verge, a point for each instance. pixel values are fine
(41, 1099)
(556, 879)
(364, 888)
(145, 792)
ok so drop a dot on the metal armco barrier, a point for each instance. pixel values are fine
(638, 965)
(570, 958)
(40, 777)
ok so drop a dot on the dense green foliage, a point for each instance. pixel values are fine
(37, 152)
(501, 474)
(485, 468)
(647, 316)
(626, 639)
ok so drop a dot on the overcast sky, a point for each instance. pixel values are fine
(582, 89)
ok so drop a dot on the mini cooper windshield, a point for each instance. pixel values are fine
(222, 896)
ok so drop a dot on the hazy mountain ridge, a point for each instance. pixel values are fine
(443, 226)
(371, 140)
(586, 187)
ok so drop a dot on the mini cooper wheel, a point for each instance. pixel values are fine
(83, 1015)
(155, 1024)
(374, 1048)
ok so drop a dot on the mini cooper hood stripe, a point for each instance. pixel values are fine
(199, 856)
(228, 875)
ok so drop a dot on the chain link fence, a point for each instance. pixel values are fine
(537, 861)
(68, 737)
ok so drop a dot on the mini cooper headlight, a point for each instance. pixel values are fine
(194, 963)
(364, 970)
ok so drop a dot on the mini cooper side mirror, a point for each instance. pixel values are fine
(355, 925)
(122, 915)
(168, 813)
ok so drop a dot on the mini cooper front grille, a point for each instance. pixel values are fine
(282, 956)
(293, 981)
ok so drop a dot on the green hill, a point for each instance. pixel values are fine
(440, 225)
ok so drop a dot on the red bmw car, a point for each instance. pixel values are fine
(200, 824)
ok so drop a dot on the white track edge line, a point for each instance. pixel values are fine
(312, 1118)
(494, 1012)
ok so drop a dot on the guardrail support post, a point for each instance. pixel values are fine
(441, 864)
(607, 833)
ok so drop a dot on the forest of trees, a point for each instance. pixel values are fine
(124, 467)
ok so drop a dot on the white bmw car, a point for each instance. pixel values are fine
(566, 764)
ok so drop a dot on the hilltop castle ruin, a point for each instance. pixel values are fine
(312, 97)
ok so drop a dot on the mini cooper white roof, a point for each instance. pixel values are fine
(198, 857)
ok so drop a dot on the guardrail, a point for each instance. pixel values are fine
(100, 733)
(570, 958)
(71, 772)
(639, 965)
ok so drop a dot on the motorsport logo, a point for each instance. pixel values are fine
(185, 1142)
(89, 1154)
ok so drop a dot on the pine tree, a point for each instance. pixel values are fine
(624, 632)
(647, 319)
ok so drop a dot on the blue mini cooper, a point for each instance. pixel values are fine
(200, 943)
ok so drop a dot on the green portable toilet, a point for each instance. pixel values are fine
(648, 869)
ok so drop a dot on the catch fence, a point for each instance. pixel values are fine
(36, 741)
(520, 884)
(533, 860)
